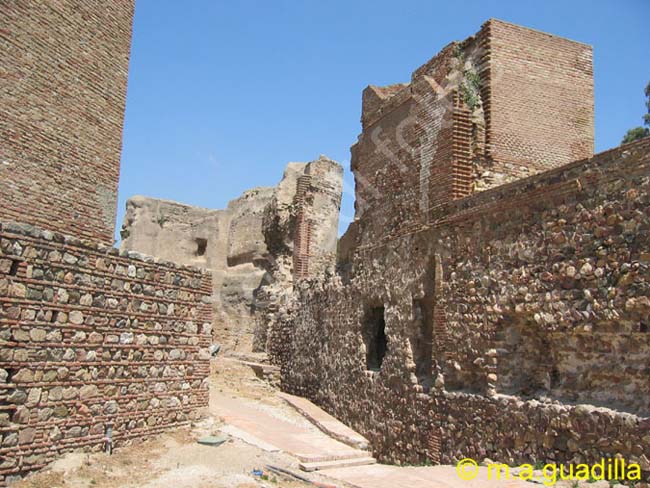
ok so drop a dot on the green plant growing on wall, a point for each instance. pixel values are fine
(640, 132)
(162, 220)
(470, 88)
(471, 82)
(635, 134)
(458, 53)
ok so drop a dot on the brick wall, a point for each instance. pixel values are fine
(90, 336)
(304, 226)
(317, 204)
(402, 160)
(538, 100)
(64, 66)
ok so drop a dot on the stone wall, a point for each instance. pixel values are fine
(253, 247)
(91, 337)
(64, 70)
(514, 326)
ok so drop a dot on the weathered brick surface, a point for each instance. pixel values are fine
(504, 104)
(64, 68)
(540, 344)
(539, 100)
(90, 336)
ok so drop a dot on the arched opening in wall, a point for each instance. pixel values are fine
(421, 339)
(374, 337)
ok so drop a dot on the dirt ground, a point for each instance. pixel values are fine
(175, 459)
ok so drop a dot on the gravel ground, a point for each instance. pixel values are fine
(175, 459)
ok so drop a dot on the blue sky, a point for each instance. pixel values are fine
(222, 94)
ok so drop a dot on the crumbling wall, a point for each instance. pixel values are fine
(504, 104)
(227, 242)
(92, 338)
(64, 69)
(404, 157)
(540, 344)
(249, 246)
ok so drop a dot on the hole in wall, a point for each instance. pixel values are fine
(201, 246)
(54, 317)
(643, 327)
(10, 374)
(374, 337)
(13, 271)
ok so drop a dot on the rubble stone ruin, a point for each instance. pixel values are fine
(254, 248)
(490, 299)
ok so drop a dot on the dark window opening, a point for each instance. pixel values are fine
(55, 316)
(643, 327)
(374, 336)
(422, 342)
(201, 245)
(13, 271)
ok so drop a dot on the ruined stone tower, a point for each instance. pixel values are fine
(65, 66)
(255, 248)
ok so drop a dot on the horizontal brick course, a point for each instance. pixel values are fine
(89, 337)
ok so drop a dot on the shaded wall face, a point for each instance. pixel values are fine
(63, 98)
(92, 339)
(541, 294)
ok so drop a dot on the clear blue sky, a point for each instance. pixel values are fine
(222, 94)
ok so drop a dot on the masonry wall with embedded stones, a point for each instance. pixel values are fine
(64, 68)
(92, 337)
(227, 242)
(474, 313)
(516, 326)
(254, 247)
(92, 342)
